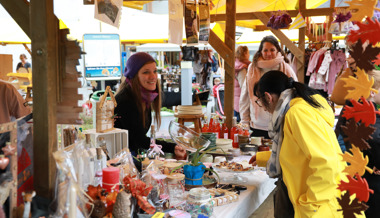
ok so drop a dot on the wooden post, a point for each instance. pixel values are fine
(44, 37)
(301, 45)
(229, 78)
(329, 35)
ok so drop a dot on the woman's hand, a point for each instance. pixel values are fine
(180, 152)
(253, 160)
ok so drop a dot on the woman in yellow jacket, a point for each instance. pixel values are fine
(305, 151)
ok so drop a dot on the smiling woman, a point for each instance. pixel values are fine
(136, 97)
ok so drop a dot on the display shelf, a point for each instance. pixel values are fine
(116, 139)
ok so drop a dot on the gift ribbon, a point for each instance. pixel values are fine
(157, 149)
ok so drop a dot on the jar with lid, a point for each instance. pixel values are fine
(199, 203)
(176, 189)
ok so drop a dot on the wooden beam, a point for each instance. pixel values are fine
(220, 47)
(27, 48)
(301, 45)
(329, 35)
(292, 13)
(44, 36)
(19, 11)
(229, 78)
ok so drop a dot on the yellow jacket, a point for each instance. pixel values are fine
(310, 160)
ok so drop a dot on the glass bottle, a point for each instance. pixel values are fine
(103, 146)
(217, 126)
(224, 129)
(234, 134)
(98, 168)
(205, 127)
(151, 153)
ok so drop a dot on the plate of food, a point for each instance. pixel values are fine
(233, 167)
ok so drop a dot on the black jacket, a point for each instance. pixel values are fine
(129, 118)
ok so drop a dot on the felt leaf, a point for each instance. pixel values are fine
(361, 9)
(370, 30)
(357, 161)
(377, 60)
(358, 134)
(110, 201)
(365, 112)
(361, 85)
(349, 210)
(357, 186)
(364, 59)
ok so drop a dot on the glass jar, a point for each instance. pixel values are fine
(176, 189)
(199, 203)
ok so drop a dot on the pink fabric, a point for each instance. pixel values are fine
(253, 77)
(338, 61)
(11, 103)
(237, 89)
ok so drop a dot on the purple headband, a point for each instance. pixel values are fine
(135, 62)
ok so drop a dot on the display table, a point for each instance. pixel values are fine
(259, 186)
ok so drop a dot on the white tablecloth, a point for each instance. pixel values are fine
(259, 186)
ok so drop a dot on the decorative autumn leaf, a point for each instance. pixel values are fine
(369, 30)
(364, 59)
(377, 60)
(349, 210)
(358, 134)
(110, 201)
(365, 112)
(358, 187)
(361, 85)
(361, 9)
(358, 163)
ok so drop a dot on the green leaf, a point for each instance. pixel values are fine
(213, 171)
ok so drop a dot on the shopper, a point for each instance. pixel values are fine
(373, 153)
(23, 63)
(270, 56)
(12, 104)
(241, 65)
(137, 96)
(305, 151)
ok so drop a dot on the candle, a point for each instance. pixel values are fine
(110, 178)
(73, 202)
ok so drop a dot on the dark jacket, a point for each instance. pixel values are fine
(129, 118)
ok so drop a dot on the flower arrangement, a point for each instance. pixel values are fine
(281, 19)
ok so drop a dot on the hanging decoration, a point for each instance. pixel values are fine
(361, 85)
(204, 21)
(357, 186)
(280, 19)
(108, 11)
(365, 112)
(363, 59)
(370, 30)
(175, 22)
(361, 9)
(358, 164)
(351, 208)
(191, 22)
(358, 134)
(298, 22)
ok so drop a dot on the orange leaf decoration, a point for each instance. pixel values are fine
(110, 201)
(348, 209)
(361, 9)
(139, 190)
(358, 163)
(358, 187)
(370, 30)
(365, 112)
(361, 85)
(358, 134)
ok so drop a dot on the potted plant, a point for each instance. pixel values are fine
(195, 169)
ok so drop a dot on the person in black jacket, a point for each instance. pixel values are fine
(136, 97)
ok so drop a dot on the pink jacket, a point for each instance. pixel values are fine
(240, 68)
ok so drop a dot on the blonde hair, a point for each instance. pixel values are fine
(375, 74)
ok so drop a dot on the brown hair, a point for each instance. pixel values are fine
(136, 91)
(240, 52)
(272, 40)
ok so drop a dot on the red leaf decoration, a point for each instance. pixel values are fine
(358, 187)
(349, 210)
(365, 112)
(358, 134)
(368, 31)
(377, 60)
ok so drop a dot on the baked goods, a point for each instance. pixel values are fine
(233, 166)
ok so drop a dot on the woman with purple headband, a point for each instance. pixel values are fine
(137, 96)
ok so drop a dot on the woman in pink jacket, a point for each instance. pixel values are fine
(270, 56)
